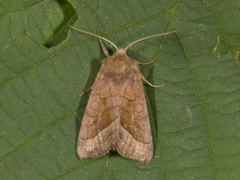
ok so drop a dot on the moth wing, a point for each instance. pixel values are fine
(98, 128)
(135, 138)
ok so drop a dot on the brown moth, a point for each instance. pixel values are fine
(116, 116)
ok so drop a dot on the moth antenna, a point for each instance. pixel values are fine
(95, 35)
(147, 37)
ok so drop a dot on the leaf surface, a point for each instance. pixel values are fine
(195, 118)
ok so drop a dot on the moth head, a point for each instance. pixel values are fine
(120, 51)
(120, 55)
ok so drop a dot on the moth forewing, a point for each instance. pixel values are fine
(135, 138)
(116, 116)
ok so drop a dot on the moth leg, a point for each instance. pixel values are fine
(148, 62)
(150, 84)
(104, 49)
(84, 92)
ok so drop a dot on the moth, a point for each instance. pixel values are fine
(116, 116)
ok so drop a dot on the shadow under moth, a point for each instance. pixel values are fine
(116, 116)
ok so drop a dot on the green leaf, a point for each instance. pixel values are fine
(43, 66)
